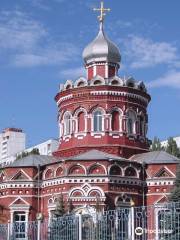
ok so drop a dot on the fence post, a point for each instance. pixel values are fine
(38, 229)
(132, 224)
(8, 230)
(80, 227)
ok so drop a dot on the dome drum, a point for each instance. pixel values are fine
(104, 69)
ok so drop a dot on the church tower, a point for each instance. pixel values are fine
(104, 111)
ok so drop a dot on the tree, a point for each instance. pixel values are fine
(59, 223)
(156, 145)
(34, 151)
(70, 206)
(174, 216)
(175, 194)
(60, 209)
(172, 147)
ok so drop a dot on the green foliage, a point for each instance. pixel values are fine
(172, 147)
(175, 194)
(35, 151)
(70, 206)
(98, 208)
(62, 225)
(156, 145)
(60, 209)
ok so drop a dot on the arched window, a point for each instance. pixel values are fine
(141, 126)
(97, 82)
(130, 126)
(81, 122)
(130, 172)
(130, 84)
(115, 170)
(59, 172)
(115, 124)
(115, 83)
(131, 123)
(68, 86)
(81, 84)
(67, 124)
(77, 170)
(97, 117)
(96, 169)
(49, 174)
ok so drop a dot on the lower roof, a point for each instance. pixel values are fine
(154, 157)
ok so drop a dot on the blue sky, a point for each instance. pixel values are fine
(41, 43)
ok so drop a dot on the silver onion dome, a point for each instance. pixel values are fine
(101, 49)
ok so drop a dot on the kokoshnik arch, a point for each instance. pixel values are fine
(103, 147)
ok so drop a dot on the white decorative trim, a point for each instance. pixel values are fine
(166, 169)
(79, 165)
(68, 82)
(118, 79)
(98, 165)
(16, 185)
(127, 192)
(80, 135)
(106, 70)
(20, 198)
(163, 196)
(49, 168)
(86, 189)
(117, 93)
(81, 79)
(23, 172)
(157, 194)
(62, 99)
(94, 70)
(160, 183)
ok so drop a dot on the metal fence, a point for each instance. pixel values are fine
(158, 222)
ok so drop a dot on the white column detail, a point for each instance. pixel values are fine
(106, 70)
(94, 70)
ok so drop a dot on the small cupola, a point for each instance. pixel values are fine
(101, 57)
(101, 49)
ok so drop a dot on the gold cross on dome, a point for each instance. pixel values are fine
(102, 11)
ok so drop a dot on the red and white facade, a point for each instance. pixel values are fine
(103, 147)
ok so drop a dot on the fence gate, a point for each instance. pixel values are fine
(107, 226)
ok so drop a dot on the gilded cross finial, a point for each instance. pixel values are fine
(102, 11)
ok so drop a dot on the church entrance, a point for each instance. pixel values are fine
(19, 226)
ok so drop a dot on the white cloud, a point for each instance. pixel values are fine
(19, 32)
(73, 72)
(123, 24)
(143, 52)
(48, 56)
(171, 79)
(27, 43)
(177, 64)
(42, 5)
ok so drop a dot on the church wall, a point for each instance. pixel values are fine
(160, 181)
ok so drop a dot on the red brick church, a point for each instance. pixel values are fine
(103, 147)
